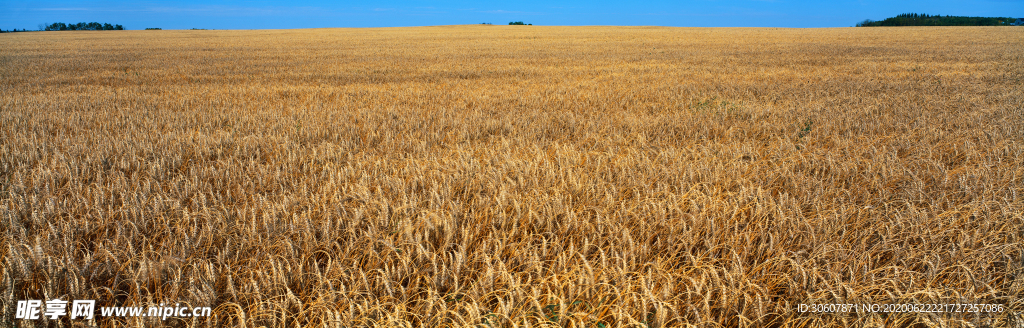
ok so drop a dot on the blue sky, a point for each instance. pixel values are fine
(273, 14)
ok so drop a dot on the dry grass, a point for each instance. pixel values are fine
(515, 176)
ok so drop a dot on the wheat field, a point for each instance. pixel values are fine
(515, 176)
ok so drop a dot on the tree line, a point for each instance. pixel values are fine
(938, 20)
(83, 26)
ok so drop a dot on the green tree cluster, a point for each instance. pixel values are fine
(937, 20)
(518, 23)
(83, 26)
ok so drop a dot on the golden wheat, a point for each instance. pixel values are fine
(515, 176)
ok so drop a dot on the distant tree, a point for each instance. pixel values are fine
(516, 23)
(914, 19)
(83, 26)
